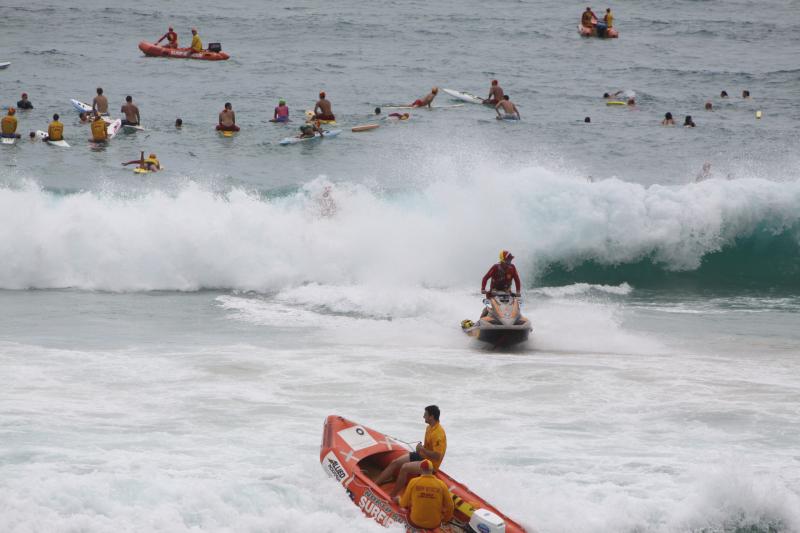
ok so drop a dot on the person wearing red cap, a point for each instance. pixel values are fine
(432, 448)
(428, 499)
(495, 94)
(171, 37)
(24, 103)
(501, 274)
(322, 109)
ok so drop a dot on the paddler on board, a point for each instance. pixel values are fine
(227, 119)
(432, 448)
(99, 129)
(171, 37)
(281, 113)
(131, 112)
(322, 108)
(310, 129)
(150, 163)
(427, 100)
(508, 107)
(427, 499)
(100, 103)
(8, 126)
(55, 130)
(495, 94)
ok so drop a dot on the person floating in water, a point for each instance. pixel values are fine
(171, 37)
(427, 100)
(668, 120)
(688, 122)
(24, 103)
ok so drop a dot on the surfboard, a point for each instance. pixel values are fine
(4, 65)
(42, 134)
(80, 106)
(466, 97)
(140, 170)
(128, 128)
(8, 140)
(295, 140)
(225, 133)
(422, 107)
(616, 102)
(113, 128)
(507, 117)
(365, 127)
(310, 118)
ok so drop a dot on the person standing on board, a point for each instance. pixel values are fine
(131, 113)
(428, 499)
(197, 44)
(227, 119)
(495, 94)
(100, 103)
(427, 100)
(171, 37)
(432, 448)
(322, 109)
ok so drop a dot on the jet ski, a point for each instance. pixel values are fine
(501, 323)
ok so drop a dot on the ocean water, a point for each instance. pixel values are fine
(171, 345)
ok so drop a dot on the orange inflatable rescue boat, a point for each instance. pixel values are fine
(354, 455)
(155, 50)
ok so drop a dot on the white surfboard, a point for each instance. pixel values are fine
(8, 140)
(422, 106)
(4, 65)
(128, 128)
(466, 97)
(295, 140)
(113, 128)
(61, 144)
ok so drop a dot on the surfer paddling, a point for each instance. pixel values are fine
(427, 100)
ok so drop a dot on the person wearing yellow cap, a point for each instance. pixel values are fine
(8, 126)
(432, 448)
(149, 163)
(427, 100)
(323, 109)
(501, 274)
(171, 37)
(197, 44)
(428, 499)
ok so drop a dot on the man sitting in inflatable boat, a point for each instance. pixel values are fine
(501, 274)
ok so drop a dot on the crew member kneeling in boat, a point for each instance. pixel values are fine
(227, 119)
(171, 37)
(428, 498)
(432, 448)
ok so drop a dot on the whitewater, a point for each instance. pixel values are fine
(171, 344)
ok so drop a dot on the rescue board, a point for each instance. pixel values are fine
(4, 65)
(128, 128)
(140, 170)
(226, 133)
(113, 128)
(310, 118)
(616, 102)
(422, 106)
(464, 96)
(8, 140)
(42, 134)
(365, 127)
(295, 140)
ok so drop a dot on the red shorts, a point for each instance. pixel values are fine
(234, 127)
(324, 117)
(418, 103)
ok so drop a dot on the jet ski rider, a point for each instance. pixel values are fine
(501, 275)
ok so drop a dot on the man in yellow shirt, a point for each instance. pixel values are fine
(432, 448)
(99, 129)
(8, 125)
(197, 44)
(608, 18)
(428, 498)
(55, 131)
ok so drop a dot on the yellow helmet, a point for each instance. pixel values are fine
(505, 255)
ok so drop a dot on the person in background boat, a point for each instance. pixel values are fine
(227, 119)
(723, 94)
(8, 126)
(432, 448)
(688, 122)
(588, 19)
(508, 107)
(150, 162)
(178, 123)
(55, 131)
(281, 113)
(100, 103)
(99, 129)
(631, 102)
(24, 103)
(608, 18)
(131, 112)
(668, 120)
(428, 499)
(83, 117)
(495, 94)
(171, 37)
(197, 44)
(427, 100)
(501, 275)
(322, 109)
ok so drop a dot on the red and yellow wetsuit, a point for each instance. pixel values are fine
(501, 275)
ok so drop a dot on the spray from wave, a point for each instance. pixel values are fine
(444, 235)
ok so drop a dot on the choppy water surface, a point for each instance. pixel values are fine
(170, 345)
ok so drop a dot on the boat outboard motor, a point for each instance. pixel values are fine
(485, 521)
(214, 47)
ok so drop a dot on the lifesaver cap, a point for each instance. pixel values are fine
(494, 82)
(11, 110)
(281, 102)
(435, 90)
(24, 95)
(425, 465)
(506, 256)
(322, 94)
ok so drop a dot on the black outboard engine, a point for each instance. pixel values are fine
(214, 47)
